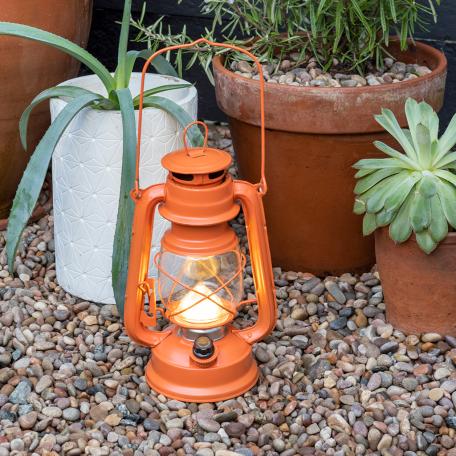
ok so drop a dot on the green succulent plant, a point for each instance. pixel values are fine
(413, 191)
(119, 99)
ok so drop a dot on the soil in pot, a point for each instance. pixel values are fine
(28, 68)
(314, 136)
(419, 290)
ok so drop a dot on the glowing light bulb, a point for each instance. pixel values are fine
(206, 311)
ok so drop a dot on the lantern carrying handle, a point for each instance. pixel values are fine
(262, 185)
(196, 152)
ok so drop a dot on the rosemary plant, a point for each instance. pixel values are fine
(351, 33)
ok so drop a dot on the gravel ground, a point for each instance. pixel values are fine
(336, 379)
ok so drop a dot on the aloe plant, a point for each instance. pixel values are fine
(119, 98)
(412, 191)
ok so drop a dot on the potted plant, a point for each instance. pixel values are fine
(330, 66)
(93, 138)
(26, 69)
(409, 200)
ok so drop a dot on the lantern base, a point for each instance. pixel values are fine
(175, 372)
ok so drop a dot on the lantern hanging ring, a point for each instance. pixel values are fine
(191, 152)
(262, 185)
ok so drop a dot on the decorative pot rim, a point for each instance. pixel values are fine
(417, 46)
(333, 110)
(192, 92)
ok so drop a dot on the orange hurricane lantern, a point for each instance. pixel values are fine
(200, 356)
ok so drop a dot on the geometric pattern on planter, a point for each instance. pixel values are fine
(86, 173)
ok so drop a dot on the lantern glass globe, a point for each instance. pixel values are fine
(200, 292)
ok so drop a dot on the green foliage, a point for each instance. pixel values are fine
(413, 191)
(354, 32)
(119, 98)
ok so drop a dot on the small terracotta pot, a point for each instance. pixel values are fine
(314, 136)
(419, 290)
(26, 69)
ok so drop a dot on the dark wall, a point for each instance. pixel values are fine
(105, 32)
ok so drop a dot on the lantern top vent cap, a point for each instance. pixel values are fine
(196, 160)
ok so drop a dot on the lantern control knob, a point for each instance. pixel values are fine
(203, 347)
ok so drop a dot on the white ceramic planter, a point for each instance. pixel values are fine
(86, 172)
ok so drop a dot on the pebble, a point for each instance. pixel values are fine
(375, 382)
(28, 420)
(174, 423)
(44, 382)
(261, 354)
(339, 323)
(234, 429)
(21, 393)
(335, 292)
(71, 414)
(208, 425)
(52, 412)
(441, 373)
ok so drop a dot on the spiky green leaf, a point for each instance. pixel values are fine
(161, 65)
(428, 185)
(420, 212)
(446, 160)
(384, 217)
(446, 175)
(121, 78)
(438, 228)
(447, 196)
(378, 196)
(395, 200)
(160, 89)
(359, 207)
(401, 227)
(425, 241)
(407, 162)
(367, 182)
(447, 140)
(423, 139)
(430, 119)
(371, 164)
(122, 238)
(53, 92)
(412, 113)
(389, 122)
(369, 224)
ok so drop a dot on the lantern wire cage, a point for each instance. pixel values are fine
(176, 308)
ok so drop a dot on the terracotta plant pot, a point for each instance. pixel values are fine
(26, 69)
(314, 136)
(419, 290)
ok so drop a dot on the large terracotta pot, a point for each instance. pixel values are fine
(419, 290)
(314, 136)
(26, 69)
